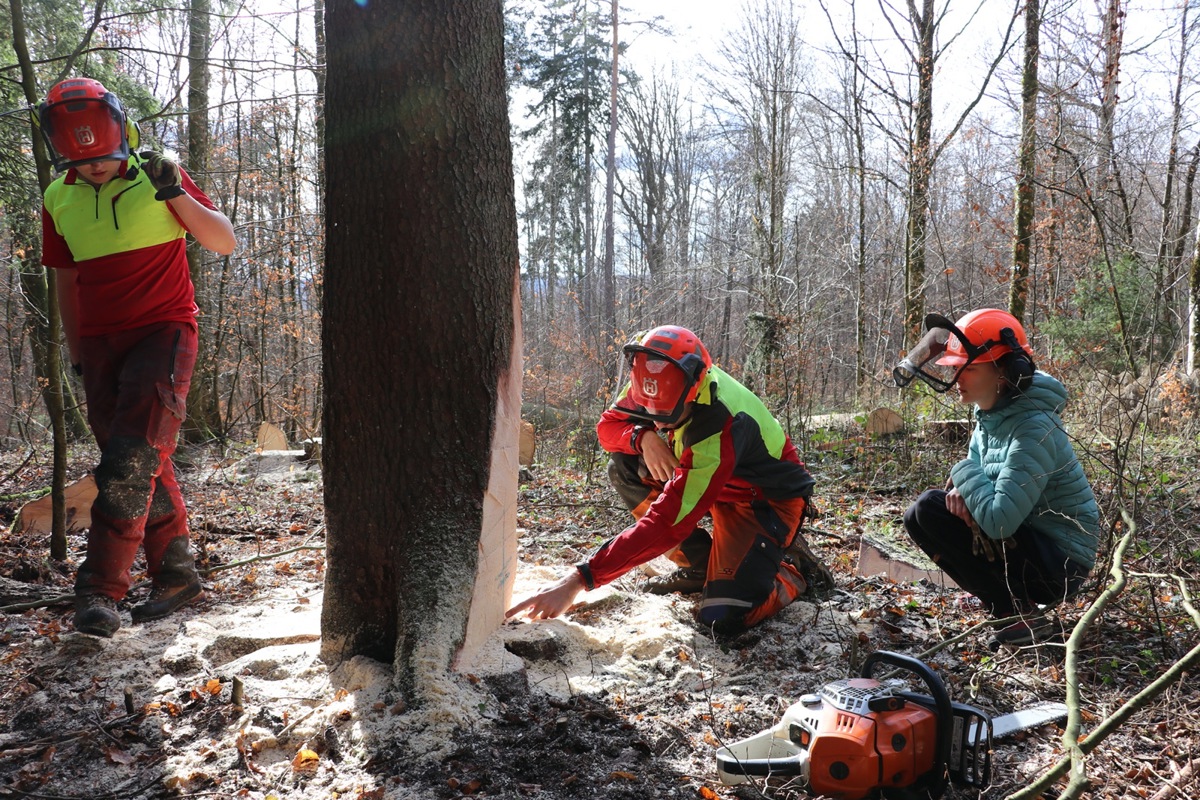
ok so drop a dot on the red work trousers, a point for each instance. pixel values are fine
(747, 579)
(136, 384)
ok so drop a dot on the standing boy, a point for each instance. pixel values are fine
(114, 225)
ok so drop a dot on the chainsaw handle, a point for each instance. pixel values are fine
(761, 767)
(941, 698)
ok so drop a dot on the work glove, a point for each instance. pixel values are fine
(164, 174)
(981, 545)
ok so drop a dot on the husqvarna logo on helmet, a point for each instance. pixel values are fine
(649, 387)
(84, 136)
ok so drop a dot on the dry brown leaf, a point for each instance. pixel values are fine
(213, 686)
(118, 756)
(707, 793)
(305, 761)
(622, 775)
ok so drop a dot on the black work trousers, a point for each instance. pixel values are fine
(1033, 572)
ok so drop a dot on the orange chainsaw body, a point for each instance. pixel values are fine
(860, 738)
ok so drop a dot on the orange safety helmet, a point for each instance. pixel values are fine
(984, 335)
(667, 365)
(82, 122)
(984, 328)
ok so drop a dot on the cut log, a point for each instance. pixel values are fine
(270, 438)
(884, 422)
(951, 431)
(898, 558)
(37, 516)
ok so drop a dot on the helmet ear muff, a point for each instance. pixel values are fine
(1017, 366)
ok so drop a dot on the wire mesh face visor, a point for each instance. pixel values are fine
(929, 361)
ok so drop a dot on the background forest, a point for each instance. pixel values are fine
(799, 191)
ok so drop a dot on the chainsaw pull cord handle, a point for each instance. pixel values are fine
(941, 698)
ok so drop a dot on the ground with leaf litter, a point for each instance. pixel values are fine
(624, 698)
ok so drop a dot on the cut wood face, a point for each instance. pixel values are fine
(528, 444)
(271, 437)
(37, 516)
(884, 422)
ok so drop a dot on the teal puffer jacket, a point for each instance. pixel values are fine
(1021, 468)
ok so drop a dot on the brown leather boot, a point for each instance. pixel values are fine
(684, 580)
(175, 583)
(165, 599)
(818, 576)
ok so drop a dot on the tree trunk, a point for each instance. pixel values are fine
(1164, 269)
(920, 170)
(42, 310)
(1018, 289)
(1111, 180)
(1193, 312)
(420, 343)
(204, 411)
(608, 314)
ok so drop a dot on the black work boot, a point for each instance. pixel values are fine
(175, 585)
(96, 615)
(685, 580)
(818, 576)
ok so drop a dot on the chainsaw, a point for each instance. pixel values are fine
(860, 738)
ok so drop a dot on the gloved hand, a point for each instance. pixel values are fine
(981, 545)
(164, 174)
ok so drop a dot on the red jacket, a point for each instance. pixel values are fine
(730, 450)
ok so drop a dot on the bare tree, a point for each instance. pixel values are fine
(1024, 200)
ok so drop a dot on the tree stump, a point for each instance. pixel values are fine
(950, 431)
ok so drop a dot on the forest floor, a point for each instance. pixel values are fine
(624, 698)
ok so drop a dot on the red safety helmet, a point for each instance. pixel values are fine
(666, 369)
(984, 329)
(83, 122)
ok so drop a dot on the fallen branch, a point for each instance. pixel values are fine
(262, 557)
(45, 602)
(1182, 779)
(32, 494)
(13, 474)
(1076, 748)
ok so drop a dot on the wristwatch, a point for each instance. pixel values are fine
(635, 437)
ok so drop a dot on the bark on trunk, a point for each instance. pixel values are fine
(419, 325)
